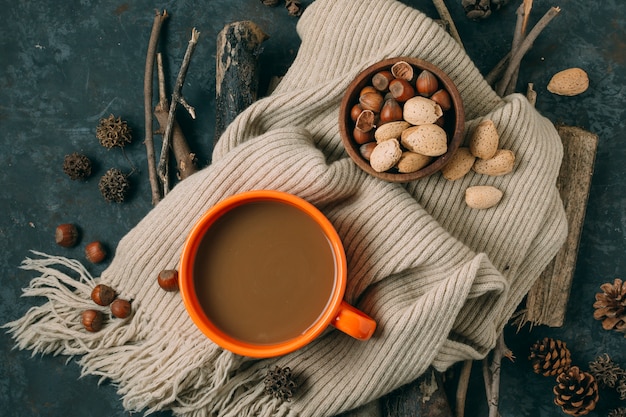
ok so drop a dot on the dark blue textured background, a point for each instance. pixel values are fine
(65, 65)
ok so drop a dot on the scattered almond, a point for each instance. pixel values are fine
(501, 163)
(459, 165)
(411, 162)
(569, 82)
(482, 196)
(385, 155)
(484, 140)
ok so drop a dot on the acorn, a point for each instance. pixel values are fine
(66, 235)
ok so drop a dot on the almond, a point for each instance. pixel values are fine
(482, 196)
(391, 130)
(501, 163)
(484, 140)
(460, 164)
(429, 140)
(411, 162)
(569, 82)
(385, 155)
(421, 110)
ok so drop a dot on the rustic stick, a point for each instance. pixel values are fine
(518, 37)
(462, 387)
(531, 94)
(236, 72)
(185, 159)
(547, 300)
(163, 169)
(159, 18)
(526, 44)
(444, 13)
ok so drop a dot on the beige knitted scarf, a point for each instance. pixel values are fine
(440, 279)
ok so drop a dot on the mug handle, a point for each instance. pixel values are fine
(354, 322)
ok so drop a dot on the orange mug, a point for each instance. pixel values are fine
(263, 273)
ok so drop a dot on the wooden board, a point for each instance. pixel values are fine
(547, 300)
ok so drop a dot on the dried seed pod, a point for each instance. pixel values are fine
(66, 235)
(92, 320)
(168, 279)
(114, 185)
(120, 308)
(77, 166)
(102, 294)
(113, 132)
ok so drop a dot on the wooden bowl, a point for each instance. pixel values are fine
(453, 125)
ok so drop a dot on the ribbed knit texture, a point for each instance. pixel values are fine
(440, 279)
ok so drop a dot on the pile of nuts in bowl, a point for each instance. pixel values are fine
(399, 118)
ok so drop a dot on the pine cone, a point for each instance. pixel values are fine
(114, 185)
(113, 132)
(576, 392)
(610, 305)
(618, 412)
(550, 357)
(606, 371)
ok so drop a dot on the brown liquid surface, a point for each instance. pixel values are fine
(264, 272)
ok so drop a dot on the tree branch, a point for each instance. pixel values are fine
(147, 94)
(163, 168)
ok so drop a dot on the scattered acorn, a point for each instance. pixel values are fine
(102, 295)
(95, 252)
(66, 235)
(120, 308)
(92, 320)
(168, 279)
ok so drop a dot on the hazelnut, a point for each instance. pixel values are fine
(362, 137)
(366, 150)
(355, 111)
(426, 83)
(442, 97)
(92, 320)
(391, 111)
(120, 308)
(365, 121)
(66, 235)
(168, 279)
(95, 252)
(401, 89)
(367, 89)
(371, 101)
(402, 69)
(102, 295)
(381, 80)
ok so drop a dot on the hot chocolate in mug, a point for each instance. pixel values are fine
(263, 273)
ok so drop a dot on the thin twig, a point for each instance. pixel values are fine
(518, 37)
(531, 94)
(526, 44)
(463, 385)
(528, 5)
(185, 159)
(176, 99)
(159, 18)
(497, 71)
(444, 13)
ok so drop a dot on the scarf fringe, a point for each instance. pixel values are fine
(152, 372)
